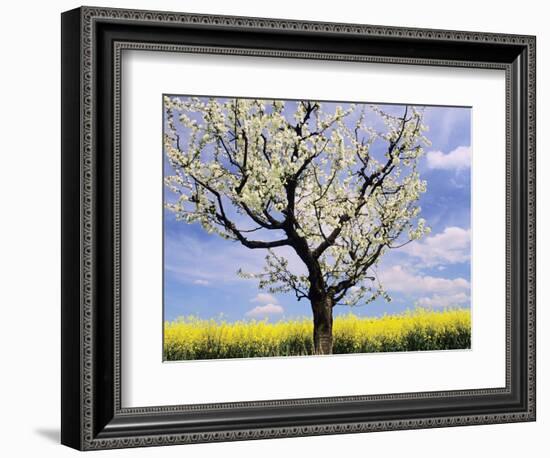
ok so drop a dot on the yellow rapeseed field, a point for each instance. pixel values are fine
(193, 338)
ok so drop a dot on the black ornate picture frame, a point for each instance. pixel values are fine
(92, 42)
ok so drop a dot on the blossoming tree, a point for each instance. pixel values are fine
(323, 183)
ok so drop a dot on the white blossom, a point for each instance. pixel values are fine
(327, 184)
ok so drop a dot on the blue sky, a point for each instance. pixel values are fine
(200, 269)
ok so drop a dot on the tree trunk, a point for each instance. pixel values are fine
(322, 325)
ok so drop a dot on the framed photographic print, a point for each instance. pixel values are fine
(276, 228)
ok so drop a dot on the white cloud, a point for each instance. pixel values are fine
(448, 247)
(438, 300)
(457, 159)
(264, 298)
(213, 260)
(270, 306)
(201, 282)
(216, 260)
(263, 311)
(397, 279)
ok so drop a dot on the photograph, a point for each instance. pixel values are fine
(310, 227)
